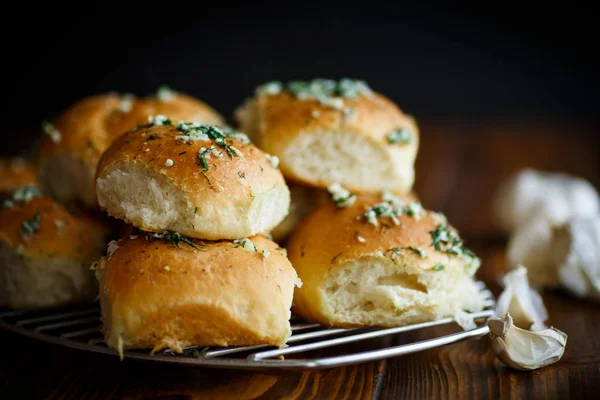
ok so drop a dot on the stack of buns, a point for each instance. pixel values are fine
(194, 263)
(371, 255)
(325, 132)
(196, 271)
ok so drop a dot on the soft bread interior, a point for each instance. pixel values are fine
(352, 160)
(67, 177)
(153, 202)
(375, 291)
(32, 283)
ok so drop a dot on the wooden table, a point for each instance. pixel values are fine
(458, 168)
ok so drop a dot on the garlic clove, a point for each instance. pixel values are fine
(555, 197)
(525, 350)
(577, 253)
(531, 245)
(521, 301)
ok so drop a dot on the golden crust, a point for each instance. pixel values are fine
(16, 172)
(60, 234)
(157, 295)
(237, 179)
(89, 126)
(330, 237)
(281, 118)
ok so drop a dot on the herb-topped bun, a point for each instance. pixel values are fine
(46, 252)
(325, 131)
(380, 261)
(16, 172)
(198, 180)
(163, 290)
(74, 143)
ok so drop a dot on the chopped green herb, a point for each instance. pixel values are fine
(328, 92)
(22, 195)
(195, 209)
(420, 252)
(400, 135)
(171, 237)
(438, 267)
(241, 175)
(396, 251)
(246, 243)
(446, 241)
(342, 197)
(31, 226)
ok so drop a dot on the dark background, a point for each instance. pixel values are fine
(468, 63)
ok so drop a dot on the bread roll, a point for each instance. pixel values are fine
(176, 178)
(173, 292)
(325, 132)
(74, 143)
(360, 267)
(45, 254)
(16, 172)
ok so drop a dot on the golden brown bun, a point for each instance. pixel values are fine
(352, 275)
(318, 145)
(235, 198)
(16, 172)
(50, 267)
(154, 294)
(85, 130)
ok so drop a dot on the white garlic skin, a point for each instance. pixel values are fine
(577, 254)
(525, 350)
(524, 304)
(555, 197)
(531, 245)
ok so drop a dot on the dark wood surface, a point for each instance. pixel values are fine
(458, 168)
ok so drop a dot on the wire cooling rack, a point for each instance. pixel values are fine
(80, 328)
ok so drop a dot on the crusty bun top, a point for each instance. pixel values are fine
(40, 228)
(89, 126)
(163, 289)
(16, 172)
(421, 240)
(280, 117)
(221, 178)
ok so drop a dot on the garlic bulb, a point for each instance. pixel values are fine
(521, 301)
(554, 197)
(531, 245)
(577, 253)
(522, 349)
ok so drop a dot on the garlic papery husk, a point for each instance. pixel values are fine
(531, 245)
(553, 196)
(522, 349)
(577, 251)
(521, 301)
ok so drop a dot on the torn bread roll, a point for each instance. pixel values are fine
(325, 131)
(198, 180)
(45, 253)
(381, 261)
(165, 291)
(15, 173)
(74, 143)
